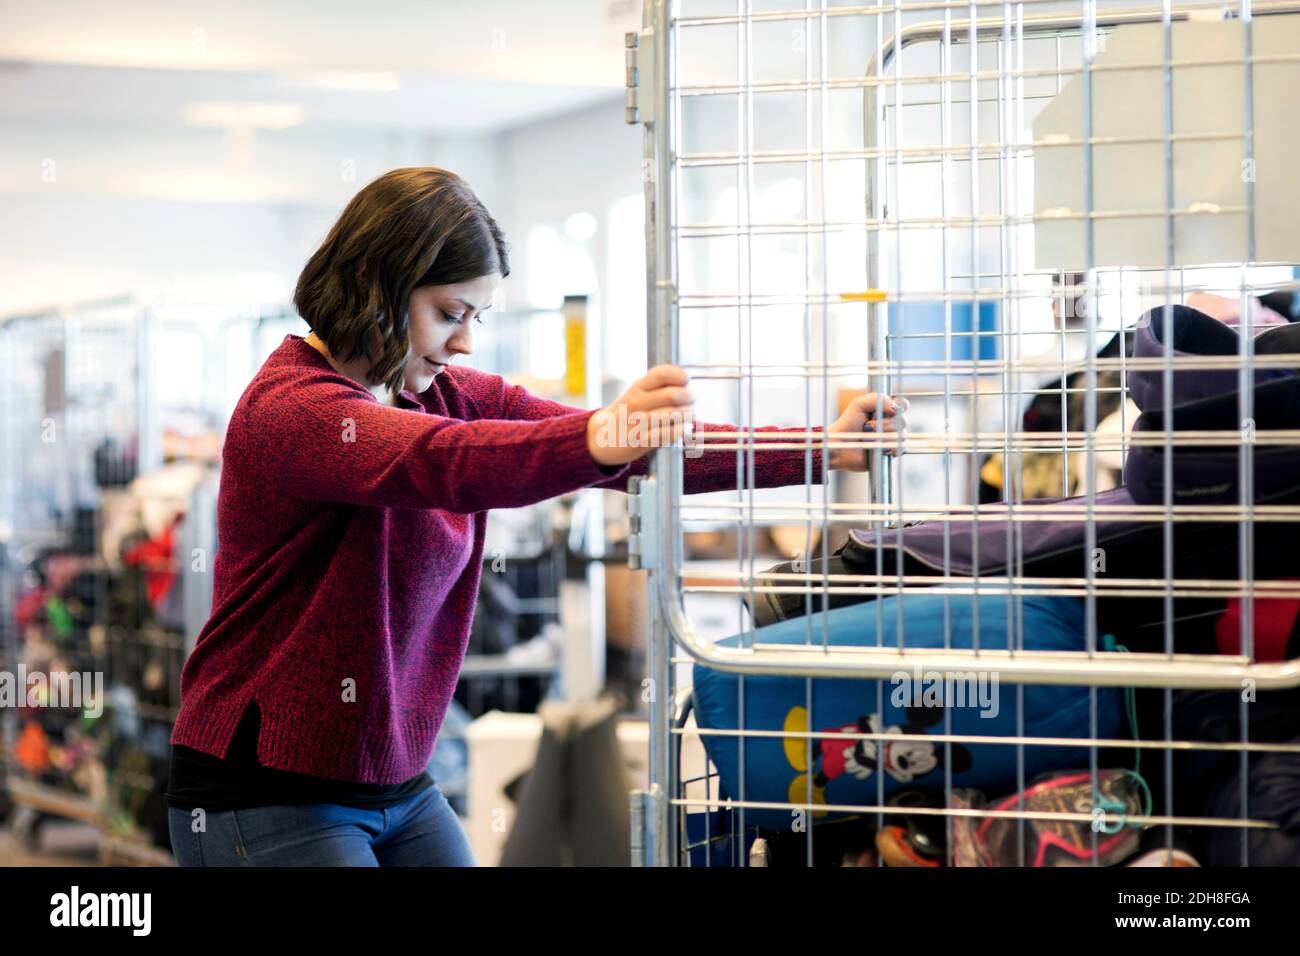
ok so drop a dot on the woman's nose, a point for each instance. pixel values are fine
(462, 343)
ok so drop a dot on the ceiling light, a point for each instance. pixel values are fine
(243, 115)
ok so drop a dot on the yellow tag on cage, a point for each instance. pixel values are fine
(866, 295)
(575, 345)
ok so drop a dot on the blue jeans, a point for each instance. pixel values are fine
(420, 831)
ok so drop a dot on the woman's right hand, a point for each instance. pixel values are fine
(656, 410)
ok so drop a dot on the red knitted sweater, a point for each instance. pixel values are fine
(350, 544)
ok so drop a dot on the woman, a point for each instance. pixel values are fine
(358, 469)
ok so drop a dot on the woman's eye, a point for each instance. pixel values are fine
(453, 319)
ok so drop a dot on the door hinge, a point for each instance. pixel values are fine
(641, 508)
(640, 76)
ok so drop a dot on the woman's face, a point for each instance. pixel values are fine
(441, 321)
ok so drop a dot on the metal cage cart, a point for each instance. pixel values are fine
(1060, 230)
(72, 436)
(108, 517)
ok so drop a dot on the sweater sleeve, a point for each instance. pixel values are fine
(320, 438)
(707, 470)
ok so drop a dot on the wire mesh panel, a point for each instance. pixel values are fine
(1053, 620)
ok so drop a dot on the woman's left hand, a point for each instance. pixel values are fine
(860, 417)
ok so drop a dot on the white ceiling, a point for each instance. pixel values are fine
(442, 65)
(60, 94)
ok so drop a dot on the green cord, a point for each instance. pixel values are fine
(1146, 792)
(1130, 710)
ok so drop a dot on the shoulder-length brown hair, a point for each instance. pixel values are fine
(409, 228)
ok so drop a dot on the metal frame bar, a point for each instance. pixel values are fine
(1171, 670)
